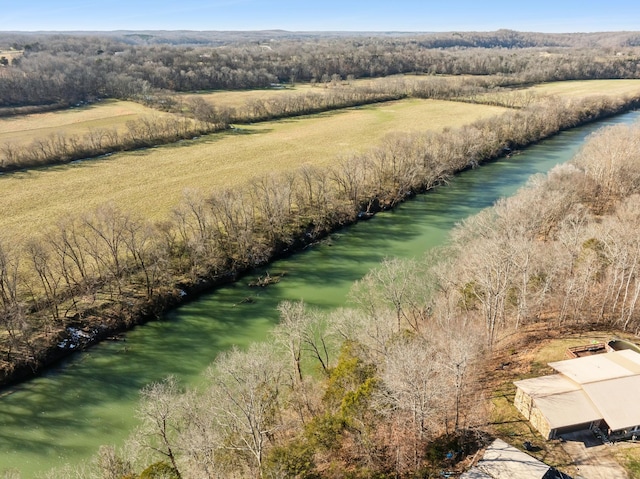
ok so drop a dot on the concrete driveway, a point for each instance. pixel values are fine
(593, 459)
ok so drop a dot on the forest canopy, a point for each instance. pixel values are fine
(68, 68)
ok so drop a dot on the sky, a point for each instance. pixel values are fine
(321, 15)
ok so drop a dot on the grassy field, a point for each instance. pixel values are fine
(570, 89)
(240, 98)
(108, 114)
(515, 98)
(587, 88)
(151, 182)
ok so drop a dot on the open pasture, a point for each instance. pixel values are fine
(151, 182)
(242, 98)
(587, 88)
(568, 89)
(22, 130)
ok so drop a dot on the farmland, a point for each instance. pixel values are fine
(578, 89)
(151, 182)
(243, 98)
(110, 114)
(587, 88)
(572, 89)
(240, 98)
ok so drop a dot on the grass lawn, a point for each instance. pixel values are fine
(24, 129)
(151, 182)
(628, 454)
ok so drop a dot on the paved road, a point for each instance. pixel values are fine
(594, 460)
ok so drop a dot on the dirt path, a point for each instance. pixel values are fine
(594, 460)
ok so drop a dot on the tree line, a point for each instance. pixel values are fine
(63, 148)
(190, 118)
(195, 115)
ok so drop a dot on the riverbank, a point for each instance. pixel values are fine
(471, 146)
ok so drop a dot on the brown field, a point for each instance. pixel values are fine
(241, 98)
(11, 54)
(151, 182)
(570, 89)
(586, 88)
(24, 129)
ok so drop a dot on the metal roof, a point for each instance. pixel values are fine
(599, 367)
(503, 461)
(603, 386)
(567, 409)
(618, 400)
(547, 385)
(475, 473)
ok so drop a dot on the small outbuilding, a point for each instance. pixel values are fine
(503, 461)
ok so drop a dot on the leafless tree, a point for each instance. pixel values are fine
(245, 399)
(161, 419)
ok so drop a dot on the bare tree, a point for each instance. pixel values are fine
(300, 331)
(110, 465)
(161, 419)
(245, 399)
(50, 277)
(199, 442)
(374, 334)
(413, 392)
(486, 267)
(398, 285)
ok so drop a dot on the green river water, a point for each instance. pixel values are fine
(89, 400)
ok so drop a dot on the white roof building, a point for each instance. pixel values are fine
(588, 391)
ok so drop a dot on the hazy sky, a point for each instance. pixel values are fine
(324, 15)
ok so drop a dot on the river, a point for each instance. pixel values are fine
(90, 399)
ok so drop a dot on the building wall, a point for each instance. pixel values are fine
(541, 424)
(523, 403)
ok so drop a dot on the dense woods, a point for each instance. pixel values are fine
(66, 69)
(379, 389)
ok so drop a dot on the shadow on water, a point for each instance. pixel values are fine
(90, 400)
